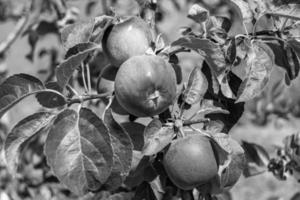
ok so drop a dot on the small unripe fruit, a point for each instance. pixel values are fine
(145, 85)
(126, 39)
(190, 161)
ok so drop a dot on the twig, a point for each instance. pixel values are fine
(12, 37)
(89, 97)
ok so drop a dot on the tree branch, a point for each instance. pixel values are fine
(88, 97)
(12, 37)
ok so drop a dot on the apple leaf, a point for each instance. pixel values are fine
(257, 159)
(243, 10)
(17, 87)
(136, 133)
(51, 99)
(260, 63)
(122, 149)
(144, 191)
(65, 70)
(101, 24)
(196, 87)
(156, 137)
(157, 187)
(230, 175)
(211, 52)
(209, 106)
(198, 13)
(21, 134)
(74, 34)
(78, 149)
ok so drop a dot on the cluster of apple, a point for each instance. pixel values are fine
(144, 83)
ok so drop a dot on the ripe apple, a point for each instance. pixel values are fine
(145, 85)
(190, 161)
(126, 39)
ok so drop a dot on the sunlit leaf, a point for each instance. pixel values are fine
(243, 10)
(21, 134)
(17, 87)
(156, 137)
(74, 34)
(122, 149)
(260, 63)
(196, 87)
(211, 52)
(65, 70)
(79, 151)
(198, 13)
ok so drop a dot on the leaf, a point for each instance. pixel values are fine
(243, 10)
(198, 13)
(79, 151)
(122, 149)
(280, 50)
(211, 51)
(74, 34)
(21, 134)
(136, 133)
(51, 99)
(260, 62)
(15, 88)
(65, 70)
(156, 137)
(196, 87)
(257, 159)
(144, 192)
(101, 24)
(157, 187)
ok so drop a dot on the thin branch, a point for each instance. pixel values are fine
(88, 97)
(12, 37)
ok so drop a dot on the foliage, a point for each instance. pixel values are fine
(103, 157)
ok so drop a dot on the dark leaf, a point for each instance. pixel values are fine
(157, 187)
(178, 73)
(74, 34)
(79, 151)
(156, 137)
(213, 85)
(260, 63)
(144, 192)
(17, 87)
(122, 149)
(51, 98)
(196, 87)
(65, 70)
(230, 50)
(257, 159)
(296, 196)
(21, 134)
(136, 133)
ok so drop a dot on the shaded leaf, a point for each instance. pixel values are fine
(156, 137)
(136, 133)
(17, 87)
(122, 149)
(51, 98)
(257, 159)
(78, 149)
(21, 134)
(157, 187)
(196, 87)
(65, 70)
(74, 34)
(260, 62)
(144, 191)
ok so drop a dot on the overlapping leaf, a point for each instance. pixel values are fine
(21, 134)
(156, 137)
(65, 70)
(79, 32)
(17, 87)
(243, 10)
(79, 151)
(211, 51)
(122, 150)
(260, 62)
(196, 87)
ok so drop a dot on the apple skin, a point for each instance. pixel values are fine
(190, 161)
(126, 39)
(145, 85)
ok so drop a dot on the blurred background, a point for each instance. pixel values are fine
(266, 121)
